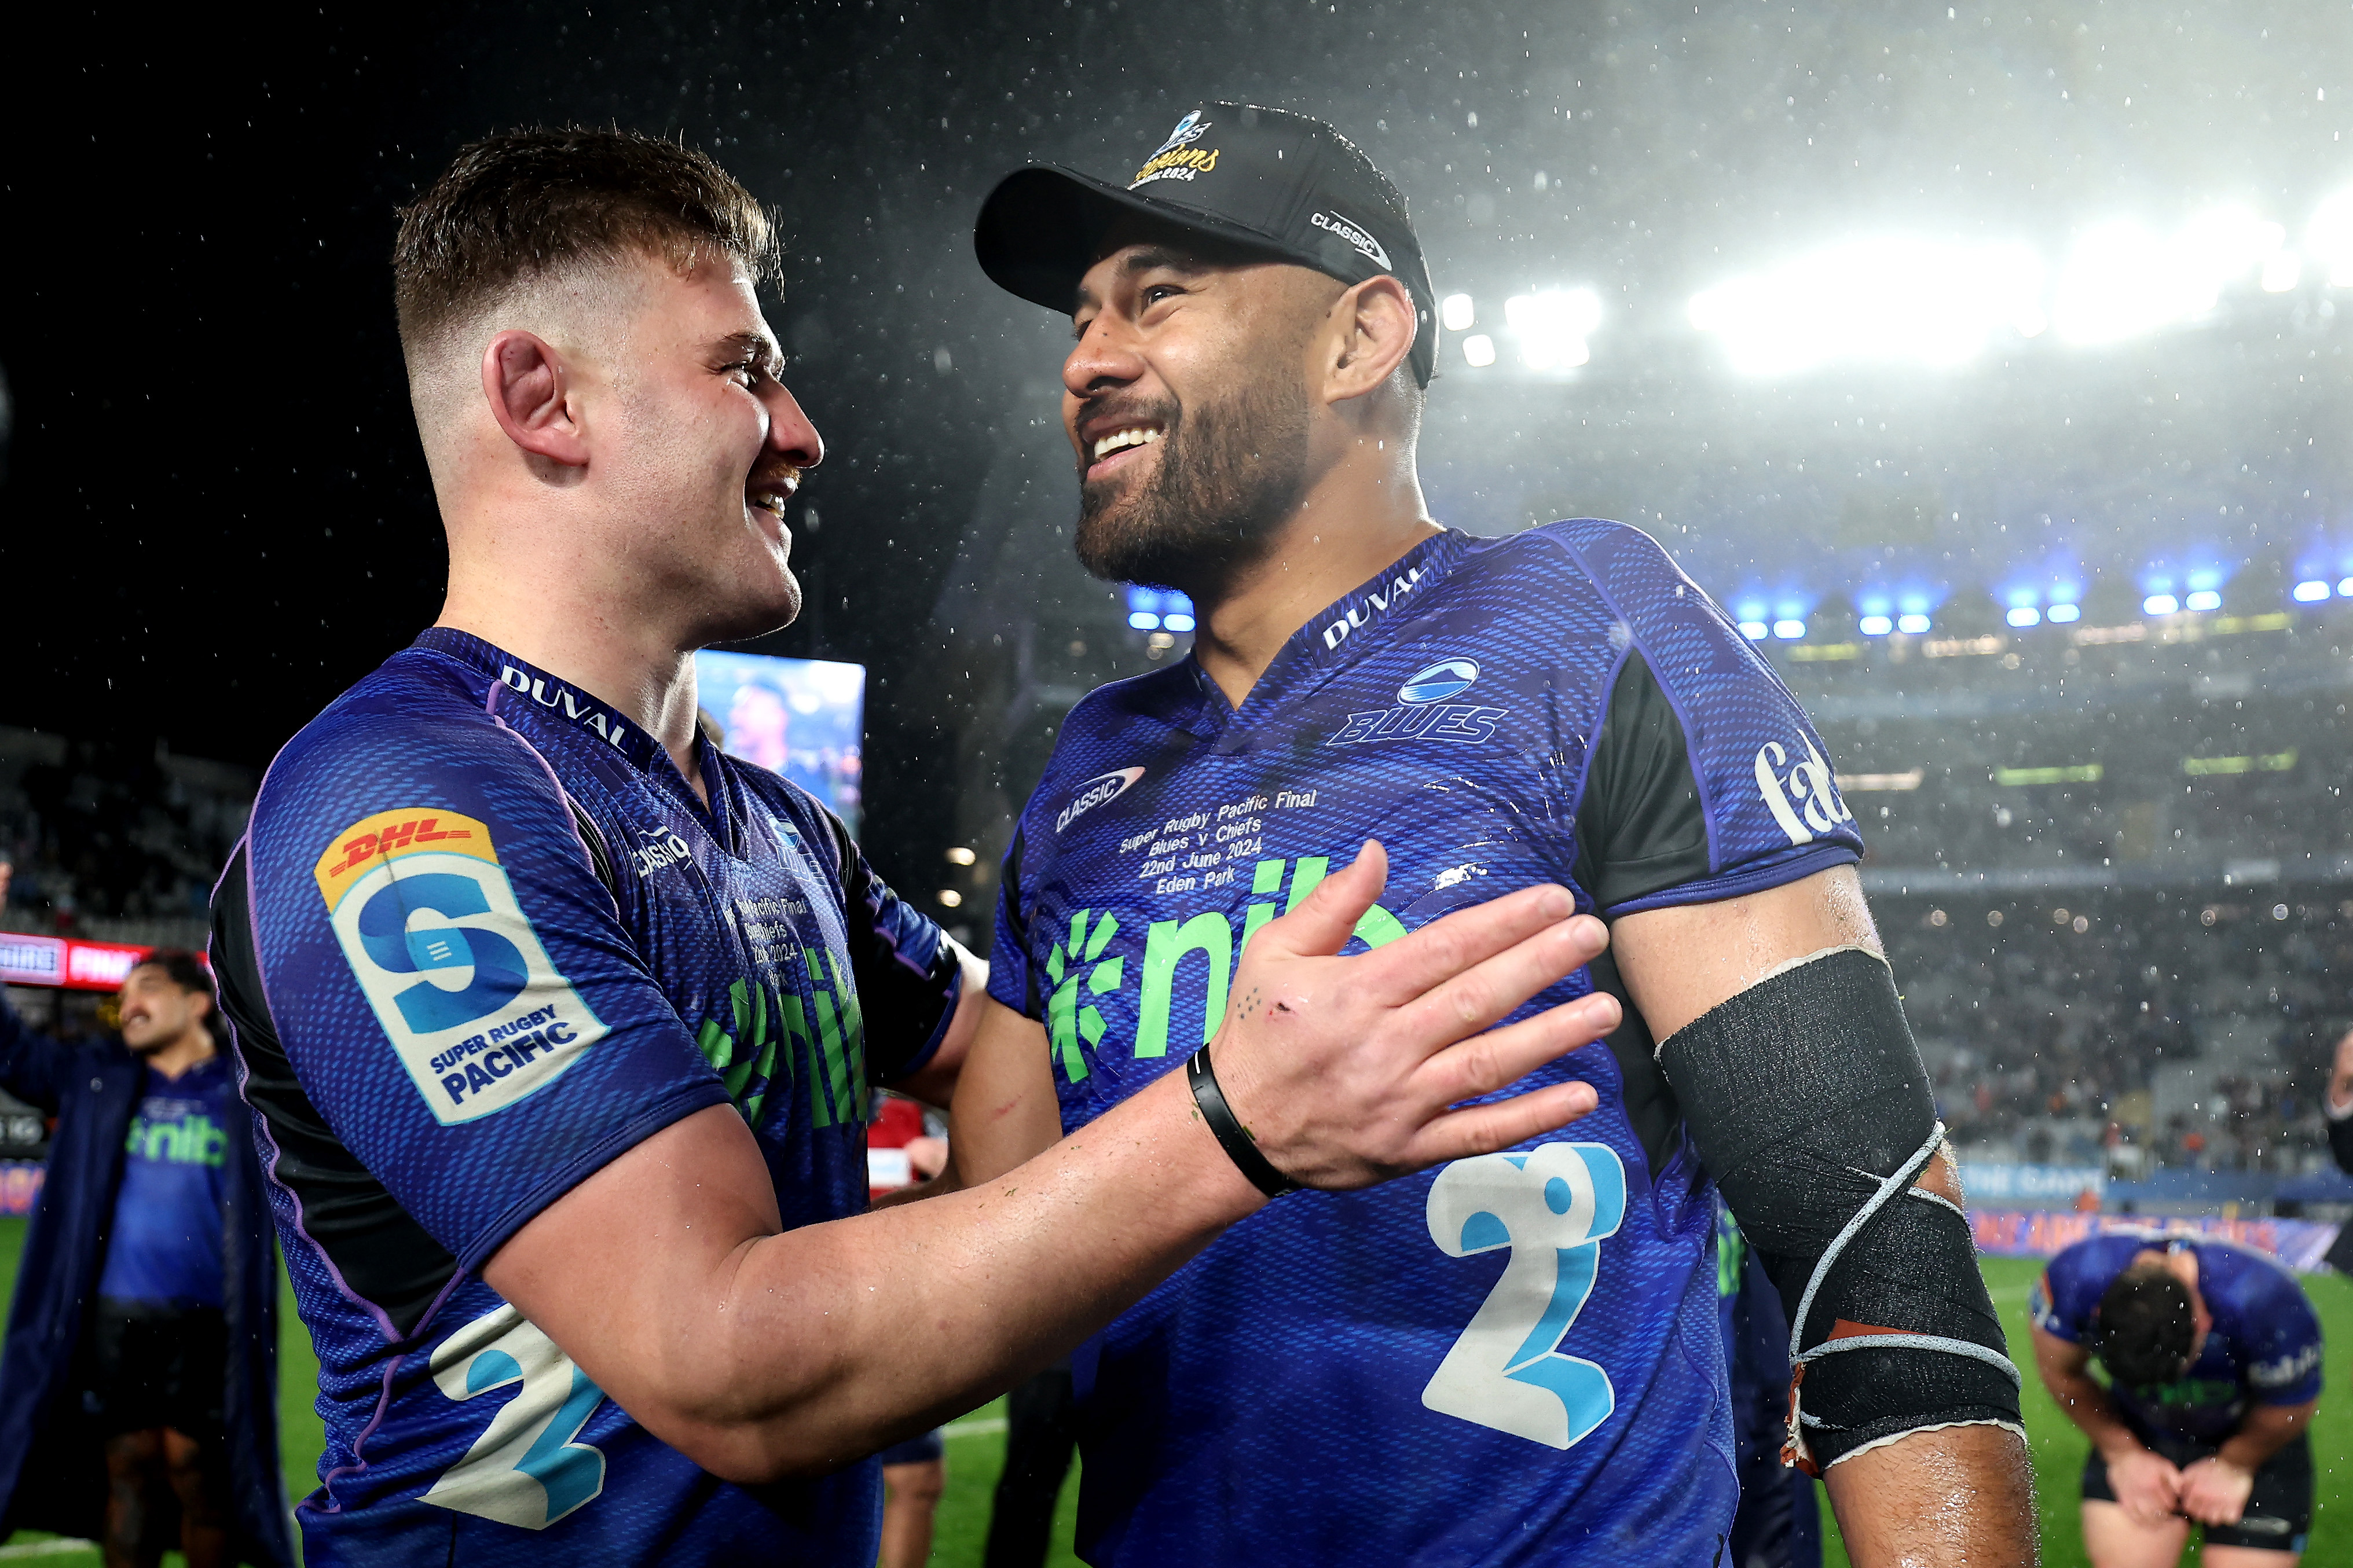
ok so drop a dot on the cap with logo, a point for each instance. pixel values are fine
(1266, 180)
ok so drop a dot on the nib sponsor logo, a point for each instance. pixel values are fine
(1067, 1023)
(1095, 792)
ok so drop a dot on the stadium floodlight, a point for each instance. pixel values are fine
(1456, 313)
(1754, 631)
(2060, 615)
(1479, 351)
(1179, 622)
(2310, 593)
(2329, 239)
(2121, 280)
(1553, 326)
(1789, 630)
(2024, 615)
(1907, 300)
(1875, 626)
(1144, 620)
(2204, 599)
(2282, 271)
(1913, 625)
(2345, 588)
(2160, 605)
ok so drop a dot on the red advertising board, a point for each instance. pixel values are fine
(66, 961)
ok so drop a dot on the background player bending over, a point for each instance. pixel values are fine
(561, 1026)
(1517, 1358)
(2214, 1361)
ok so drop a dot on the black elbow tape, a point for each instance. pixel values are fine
(1805, 1094)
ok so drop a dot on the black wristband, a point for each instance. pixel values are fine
(1232, 1136)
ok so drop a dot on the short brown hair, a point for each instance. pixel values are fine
(531, 201)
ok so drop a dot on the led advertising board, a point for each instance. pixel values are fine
(803, 718)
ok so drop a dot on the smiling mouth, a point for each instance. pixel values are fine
(772, 493)
(1116, 441)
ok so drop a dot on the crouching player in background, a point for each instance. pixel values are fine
(2213, 1361)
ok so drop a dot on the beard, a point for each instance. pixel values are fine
(1229, 472)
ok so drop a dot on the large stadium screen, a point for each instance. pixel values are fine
(803, 718)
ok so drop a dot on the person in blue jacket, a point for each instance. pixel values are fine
(138, 1384)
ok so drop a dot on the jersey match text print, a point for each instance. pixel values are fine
(524, 1469)
(1552, 1206)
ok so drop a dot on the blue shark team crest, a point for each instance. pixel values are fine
(468, 997)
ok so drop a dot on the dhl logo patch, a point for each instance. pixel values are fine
(388, 835)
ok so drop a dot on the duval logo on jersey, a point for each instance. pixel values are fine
(1097, 791)
(1423, 713)
(1804, 802)
(466, 995)
(1375, 605)
(584, 712)
(1076, 1026)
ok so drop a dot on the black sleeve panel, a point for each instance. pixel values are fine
(385, 1256)
(1640, 828)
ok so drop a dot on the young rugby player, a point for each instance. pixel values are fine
(1517, 1359)
(561, 1026)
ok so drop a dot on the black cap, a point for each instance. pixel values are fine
(1266, 179)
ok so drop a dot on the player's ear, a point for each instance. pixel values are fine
(1376, 326)
(526, 382)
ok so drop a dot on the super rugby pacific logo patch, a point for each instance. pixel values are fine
(468, 999)
(1095, 792)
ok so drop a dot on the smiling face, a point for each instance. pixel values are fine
(154, 1011)
(699, 447)
(1187, 403)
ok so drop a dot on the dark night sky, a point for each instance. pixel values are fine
(215, 515)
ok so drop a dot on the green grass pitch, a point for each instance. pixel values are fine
(976, 1452)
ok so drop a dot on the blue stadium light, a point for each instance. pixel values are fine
(2310, 593)
(1754, 631)
(1179, 622)
(2060, 615)
(1789, 630)
(2204, 599)
(1912, 625)
(1876, 626)
(2160, 605)
(2345, 588)
(2025, 615)
(1144, 620)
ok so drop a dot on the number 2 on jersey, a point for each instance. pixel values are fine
(524, 1469)
(1551, 1206)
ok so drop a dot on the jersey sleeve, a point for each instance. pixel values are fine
(2282, 1335)
(2061, 1301)
(450, 980)
(908, 976)
(1706, 781)
(1010, 980)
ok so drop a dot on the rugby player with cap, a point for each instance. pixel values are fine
(561, 1027)
(1515, 1358)
(2213, 1356)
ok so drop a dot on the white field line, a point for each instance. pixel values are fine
(58, 1548)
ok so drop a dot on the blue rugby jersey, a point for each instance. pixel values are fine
(481, 938)
(165, 1245)
(1517, 1359)
(2264, 1349)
